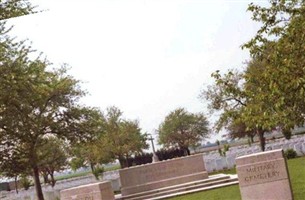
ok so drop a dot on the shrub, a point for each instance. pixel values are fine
(290, 153)
(97, 172)
(287, 133)
(25, 182)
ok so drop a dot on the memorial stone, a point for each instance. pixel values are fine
(264, 176)
(162, 174)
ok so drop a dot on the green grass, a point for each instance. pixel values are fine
(296, 169)
(297, 177)
(79, 174)
(227, 171)
(112, 168)
(73, 175)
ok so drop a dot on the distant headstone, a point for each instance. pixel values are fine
(95, 191)
(264, 176)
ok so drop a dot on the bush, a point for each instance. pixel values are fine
(25, 182)
(287, 133)
(97, 172)
(144, 158)
(290, 153)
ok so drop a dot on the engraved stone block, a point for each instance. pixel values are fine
(264, 176)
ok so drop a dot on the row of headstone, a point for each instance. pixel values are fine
(51, 193)
(215, 162)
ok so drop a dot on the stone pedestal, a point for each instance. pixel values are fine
(264, 176)
(162, 174)
(155, 158)
(95, 191)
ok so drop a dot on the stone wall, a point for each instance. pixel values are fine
(162, 174)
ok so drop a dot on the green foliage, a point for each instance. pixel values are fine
(249, 142)
(222, 152)
(88, 151)
(36, 102)
(25, 182)
(97, 172)
(290, 153)
(287, 133)
(52, 157)
(123, 137)
(76, 163)
(183, 129)
(15, 8)
(270, 92)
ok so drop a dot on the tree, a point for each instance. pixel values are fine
(15, 166)
(238, 129)
(123, 137)
(283, 56)
(89, 152)
(237, 101)
(52, 157)
(34, 104)
(183, 129)
(273, 82)
(15, 8)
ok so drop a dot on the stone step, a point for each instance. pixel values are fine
(185, 187)
(185, 190)
(194, 190)
(210, 179)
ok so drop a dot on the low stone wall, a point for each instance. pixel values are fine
(162, 174)
(95, 191)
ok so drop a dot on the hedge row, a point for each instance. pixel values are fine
(144, 158)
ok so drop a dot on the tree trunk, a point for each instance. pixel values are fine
(186, 151)
(16, 185)
(92, 167)
(38, 189)
(252, 138)
(123, 162)
(53, 181)
(126, 161)
(45, 177)
(262, 141)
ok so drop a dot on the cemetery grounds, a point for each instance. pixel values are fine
(296, 169)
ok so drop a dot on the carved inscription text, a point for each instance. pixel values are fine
(262, 172)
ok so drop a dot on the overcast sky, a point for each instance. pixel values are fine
(147, 57)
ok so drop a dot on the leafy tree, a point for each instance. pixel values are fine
(273, 82)
(15, 8)
(183, 129)
(238, 129)
(238, 104)
(34, 104)
(283, 64)
(15, 166)
(123, 137)
(89, 152)
(52, 157)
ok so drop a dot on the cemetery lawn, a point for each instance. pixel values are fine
(296, 169)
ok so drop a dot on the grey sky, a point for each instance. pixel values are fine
(146, 57)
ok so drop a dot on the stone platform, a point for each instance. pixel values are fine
(214, 181)
(162, 174)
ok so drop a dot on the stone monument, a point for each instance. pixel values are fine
(95, 191)
(264, 176)
(162, 174)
